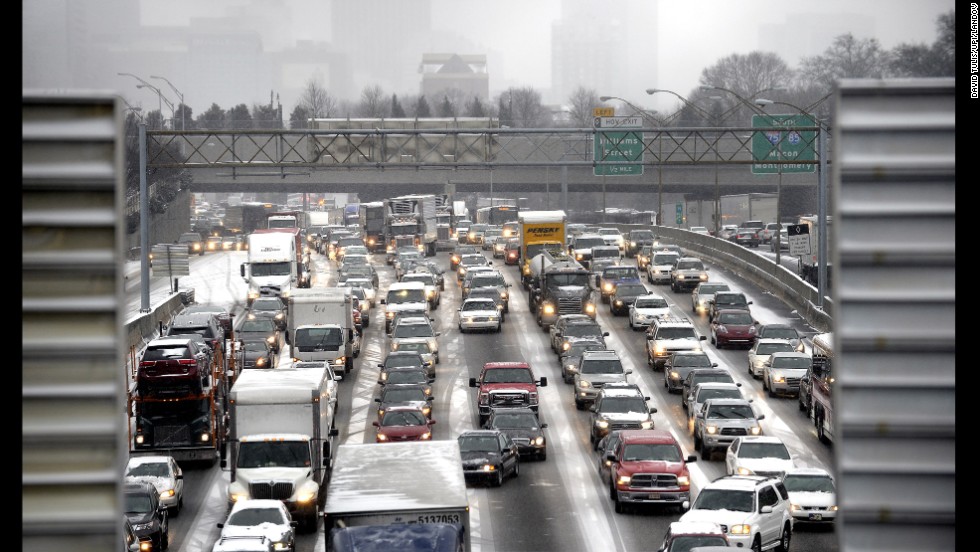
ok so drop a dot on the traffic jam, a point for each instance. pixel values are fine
(602, 389)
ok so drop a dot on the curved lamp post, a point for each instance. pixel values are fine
(821, 193)
(179, 96)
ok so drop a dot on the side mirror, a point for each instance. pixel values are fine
(473, 382)
(430, 422)
(544, 426)
(592, 408)
(377, 399)
(653, 410)
(375, 424)
(543, 382)
(714, 364)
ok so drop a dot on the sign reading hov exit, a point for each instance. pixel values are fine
(618, 145)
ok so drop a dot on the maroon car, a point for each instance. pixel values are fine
(733, 327)
(403, 423)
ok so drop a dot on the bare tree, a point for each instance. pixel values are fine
(524, 107)
(317, 101)
(581, 103)
(920, 60)
(373, 102)
(847, 57)
(748, 75)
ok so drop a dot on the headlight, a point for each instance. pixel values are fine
(549, 309)
(619, 302)
(755, 430)
(711, 429)
(566, 346)
(623, 480)
(142, 526)
(381, 437)
(538, 441)
(740, 529)
(602, 424)
(607, 287)
(647, 424)
(704, 277)
(683, 480)
(589, 308)
(426, 436)
(680, 276)
(571, 368)
(744, 471)
(260, 361)
(779, 379)
(584, 384)
(488, 468)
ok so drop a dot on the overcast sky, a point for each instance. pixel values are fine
(683, 36)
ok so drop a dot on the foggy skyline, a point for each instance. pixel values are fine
(664, 44)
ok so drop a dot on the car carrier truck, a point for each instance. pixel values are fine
(418, 482)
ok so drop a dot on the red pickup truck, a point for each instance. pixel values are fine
(648, 467)
(506, 384)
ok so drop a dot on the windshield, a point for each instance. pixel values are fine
(770, 348)
(406, 296)
(478, 444)
(624, 405)
(263, 304)
(558, 280)
(620, 273)
(406, 376)
(472, 306)
(691, 360)
(637, 235)
(488, 281)
(151, 469)
(581, 330)
(602, 253)
(725, 499)
(412, 330)
(403, 418)
(735, 318)
(251, 517)
(676, 333)
(588, 243)
(402, 360)
(706, 394)
(404, 229)
(809, 483)
(686, 543)
(791, 362)
(269, 269)
(730, 412)
(138, 503)
(726, 299)
(269, 454)
(421, 347)
(319, 337)
(628, 289)
(779, 333)
(508, 375)
(255, 347)
(652, 452)
(716, 378)
(763, 450)
(602, 367)
(663, 259)
(427, 279)
(258, 325)
(524, 420)
(650, 303)
(177, 410)
(711, 289)
(394, 394)
(689, 265)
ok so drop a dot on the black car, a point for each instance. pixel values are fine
(256, 353)
(269, 307)
(404, 394)
(149, 517)
(489, 455)
(748, 237)
(680, 364)
(252, 328)
(625, 295)
(406, 374)
(396, 359)
(521, 425)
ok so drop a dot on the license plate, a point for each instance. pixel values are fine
(653, 496)
(816, 517)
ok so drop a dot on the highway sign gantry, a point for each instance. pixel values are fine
(618, 146)
(791, 144)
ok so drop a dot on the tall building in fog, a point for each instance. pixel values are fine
(607, 47)
(386, 38)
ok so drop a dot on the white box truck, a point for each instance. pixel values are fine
(417, 482)
(271, 267)
(280, 438)
(320, 326)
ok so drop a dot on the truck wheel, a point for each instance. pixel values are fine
(348, 368)
(821, 434)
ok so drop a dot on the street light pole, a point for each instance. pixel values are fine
(183, 111)
(821, 194)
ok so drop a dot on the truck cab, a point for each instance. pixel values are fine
(506, 384)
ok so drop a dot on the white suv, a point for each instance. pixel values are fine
(754, 511)
(667, 335)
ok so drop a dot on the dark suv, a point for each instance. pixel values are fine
(728, 300)
(205, 324)
(172, 366)
(148, 516)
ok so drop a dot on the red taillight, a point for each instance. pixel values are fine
(187, 362)
(148, 363)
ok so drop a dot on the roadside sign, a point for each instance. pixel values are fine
(799, 239)
(618, 146)
(795, 145)
(170, 260)
(680, 213)
(603, 111)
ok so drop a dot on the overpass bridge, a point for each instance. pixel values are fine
(700, 162)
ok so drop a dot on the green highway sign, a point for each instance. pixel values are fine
(680, 213)
(618, 145)
(794, 145)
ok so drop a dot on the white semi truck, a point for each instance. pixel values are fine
(418, 482)
(271, 268)
(280, 437)
(320, 326)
